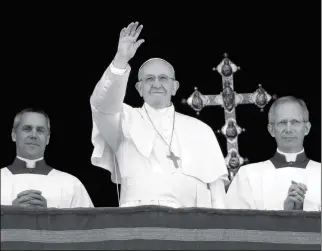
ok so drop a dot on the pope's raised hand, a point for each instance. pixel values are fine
(128, 43)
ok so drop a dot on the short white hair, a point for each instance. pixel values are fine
(287, 99)
(152, 59)
(17, 118)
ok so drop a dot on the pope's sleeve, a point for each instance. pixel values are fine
(239, 195)
(107, 103)
(81, 197)
(218, 192)
(107, 106)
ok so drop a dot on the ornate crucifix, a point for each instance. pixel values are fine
(229, 100)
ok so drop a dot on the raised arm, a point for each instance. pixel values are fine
(107, 98)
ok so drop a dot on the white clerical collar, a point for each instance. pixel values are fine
(290, 156)
(159, 113)
(30, 163)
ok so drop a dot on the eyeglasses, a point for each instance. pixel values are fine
(293, 122)
(150, 79)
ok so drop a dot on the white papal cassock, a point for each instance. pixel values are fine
(60, 189)
(265, 185)
(124, 136)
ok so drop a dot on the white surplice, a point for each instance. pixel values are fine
(145, 173)
(263, 186)
(61, 190)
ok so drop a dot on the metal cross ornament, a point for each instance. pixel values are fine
(229, 100)
(174, 159)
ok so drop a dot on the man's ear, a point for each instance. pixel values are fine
(138, 87)
(307, 128)
(271, 130)
(48, 138)
(13, 135)
(175, 87)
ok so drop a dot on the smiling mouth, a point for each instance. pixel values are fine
(289, 138)
(157, 92)
(32, 144)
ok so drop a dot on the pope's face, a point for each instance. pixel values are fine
(31, 135)
(289, 127)
(157, 84)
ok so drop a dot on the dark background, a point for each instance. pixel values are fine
(56, 55)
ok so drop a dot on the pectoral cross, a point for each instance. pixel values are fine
(229, 100)
(174, 158)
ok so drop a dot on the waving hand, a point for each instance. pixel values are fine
(128, 44)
